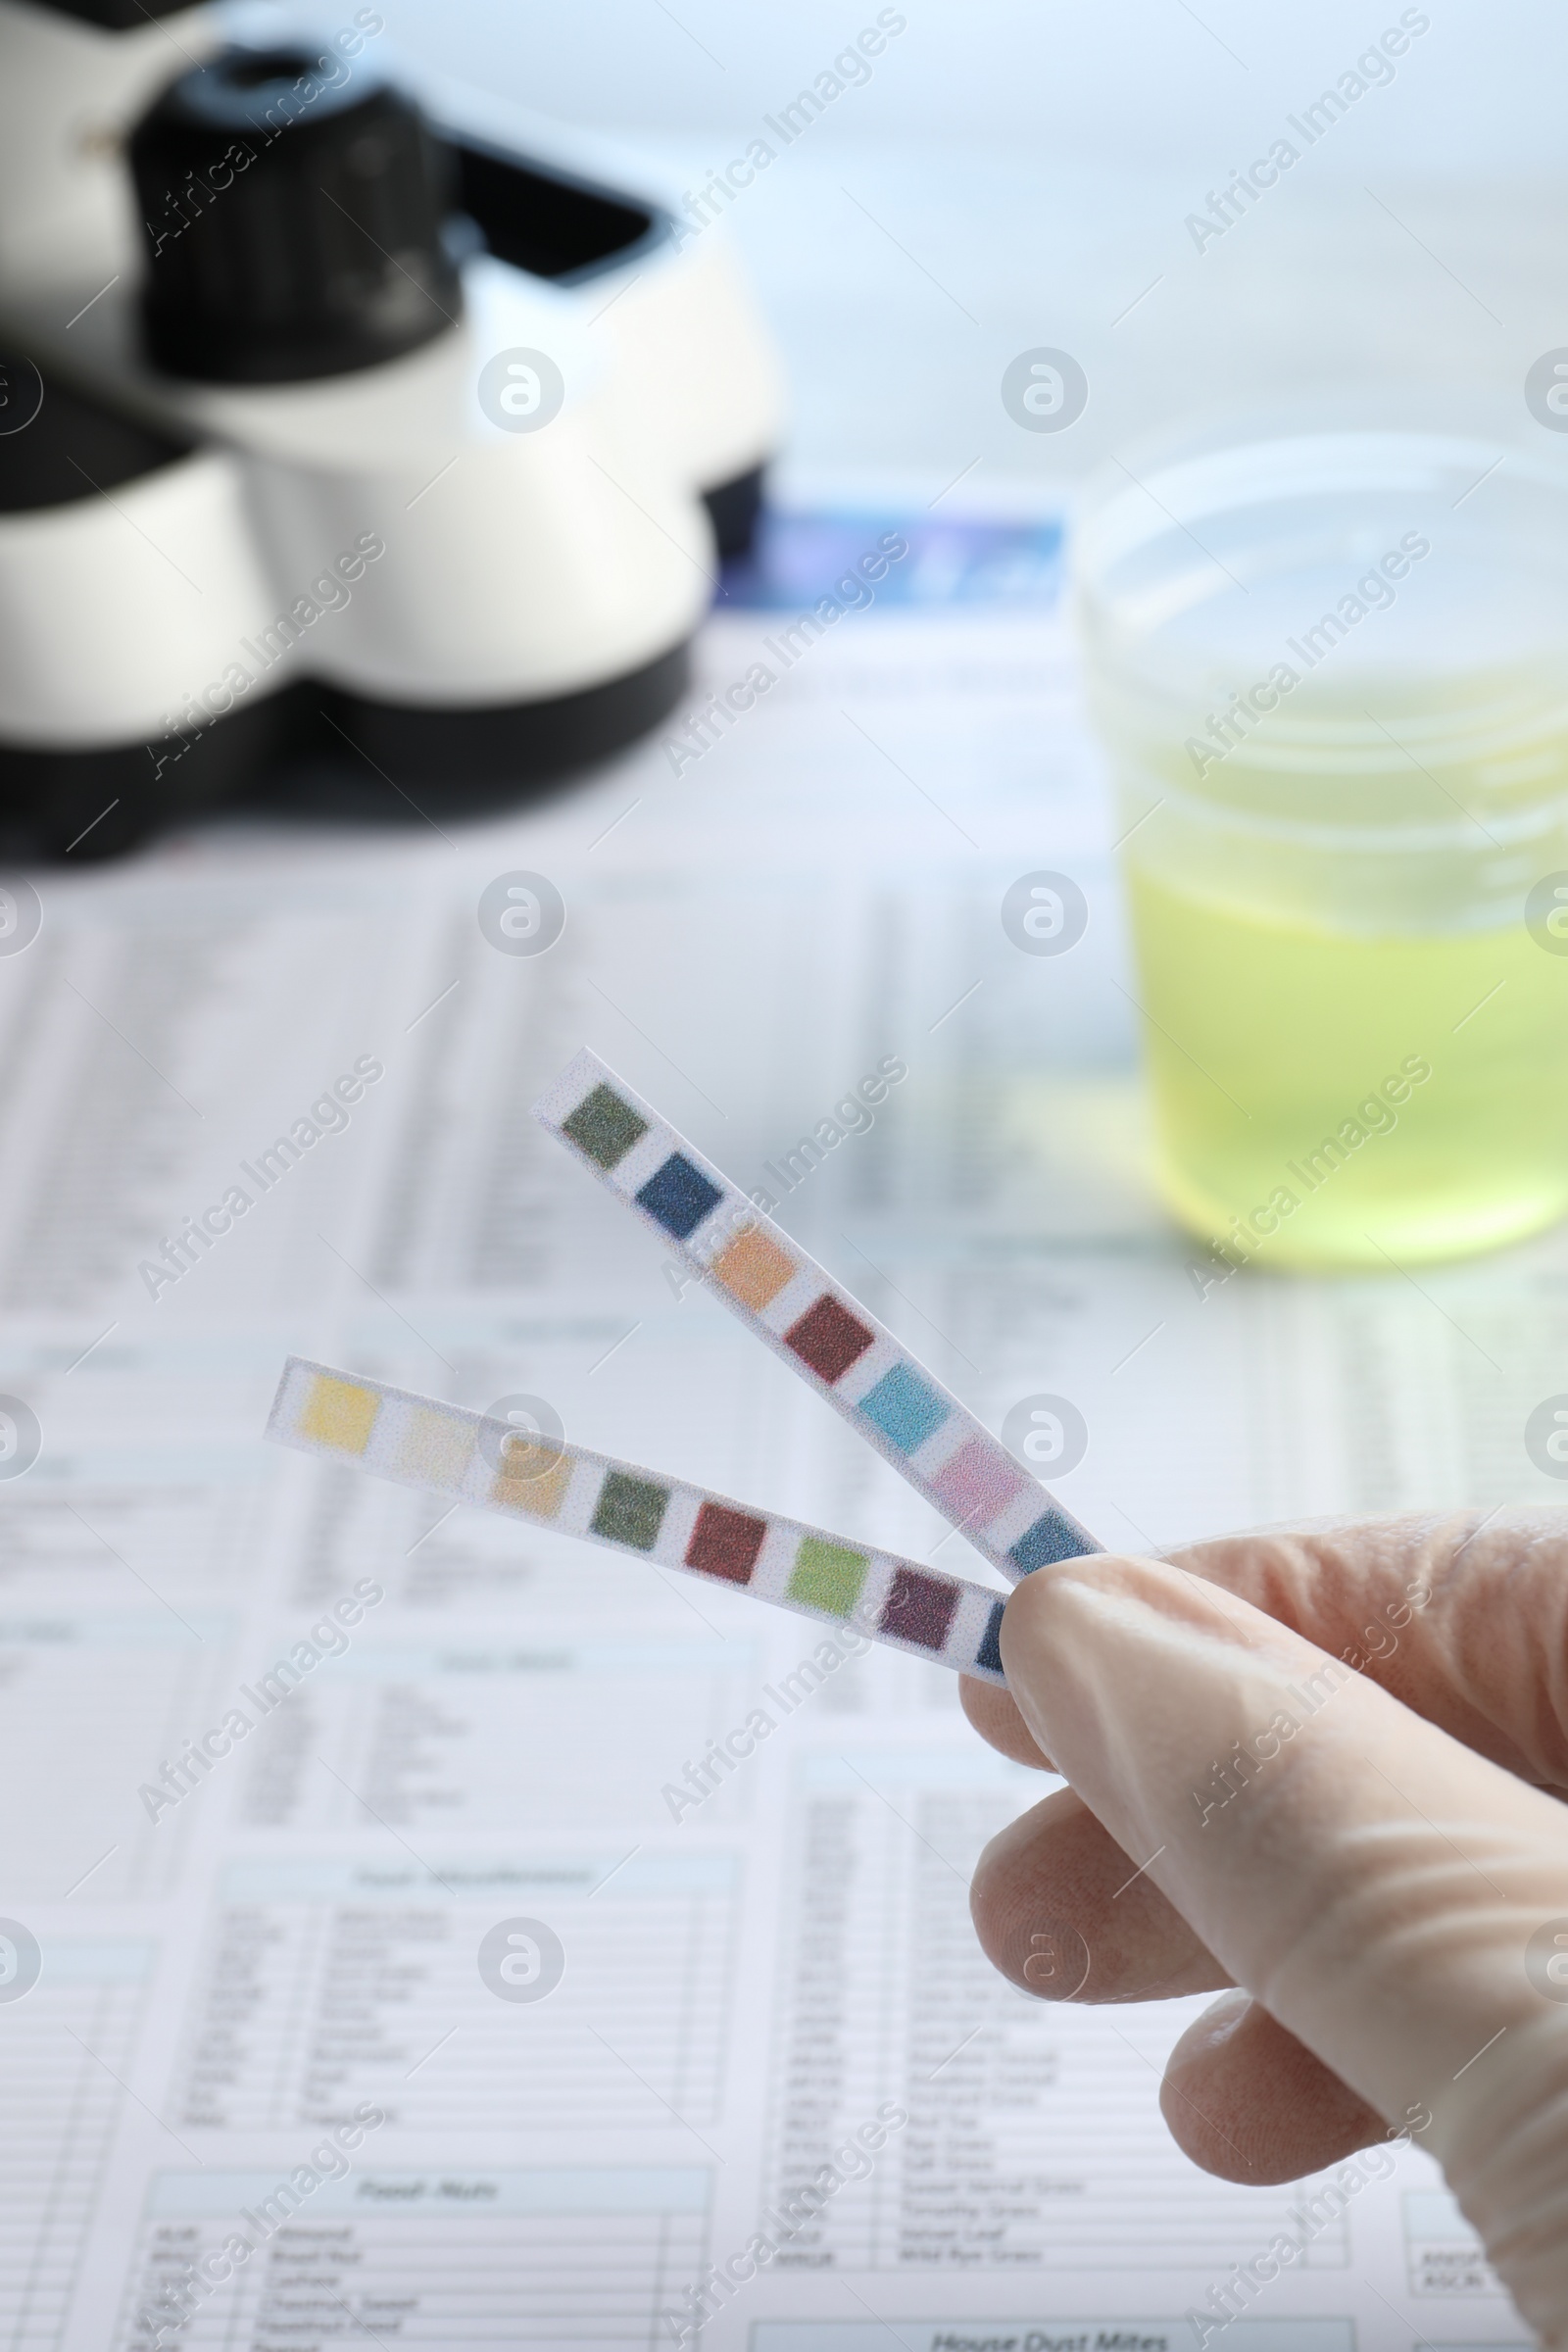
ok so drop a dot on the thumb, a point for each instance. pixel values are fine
(1388, 1896)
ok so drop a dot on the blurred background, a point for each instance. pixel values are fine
(1013, 175)
(744, 924)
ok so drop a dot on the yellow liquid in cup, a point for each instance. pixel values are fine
(1329, 661)
(1284, 1063)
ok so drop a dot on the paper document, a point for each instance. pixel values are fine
(418, 1928)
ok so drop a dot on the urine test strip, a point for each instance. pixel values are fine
(820, 1330)
(470, 1457)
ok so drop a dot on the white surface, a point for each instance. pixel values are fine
(1145, 86)
(1019, 174)
(749, 1983)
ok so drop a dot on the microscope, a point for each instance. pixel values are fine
(363, 454)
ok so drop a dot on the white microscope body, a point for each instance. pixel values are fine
(348, 459)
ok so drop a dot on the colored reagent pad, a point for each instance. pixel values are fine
(819, 1328)
(468, 1457)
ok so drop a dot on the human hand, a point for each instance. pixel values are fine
(1324, 1769)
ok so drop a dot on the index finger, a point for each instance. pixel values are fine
(1461, 1615)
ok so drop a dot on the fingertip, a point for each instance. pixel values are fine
(1097, 1636)
(1041, 1597)
(1247, 2101)
(1047, 1620)
(1062, 1914)
(994, 1715)
(1025, 1896)
(1093, 1585)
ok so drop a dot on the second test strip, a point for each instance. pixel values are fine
(447, 1449)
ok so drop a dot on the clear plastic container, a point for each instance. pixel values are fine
(1331, 668)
